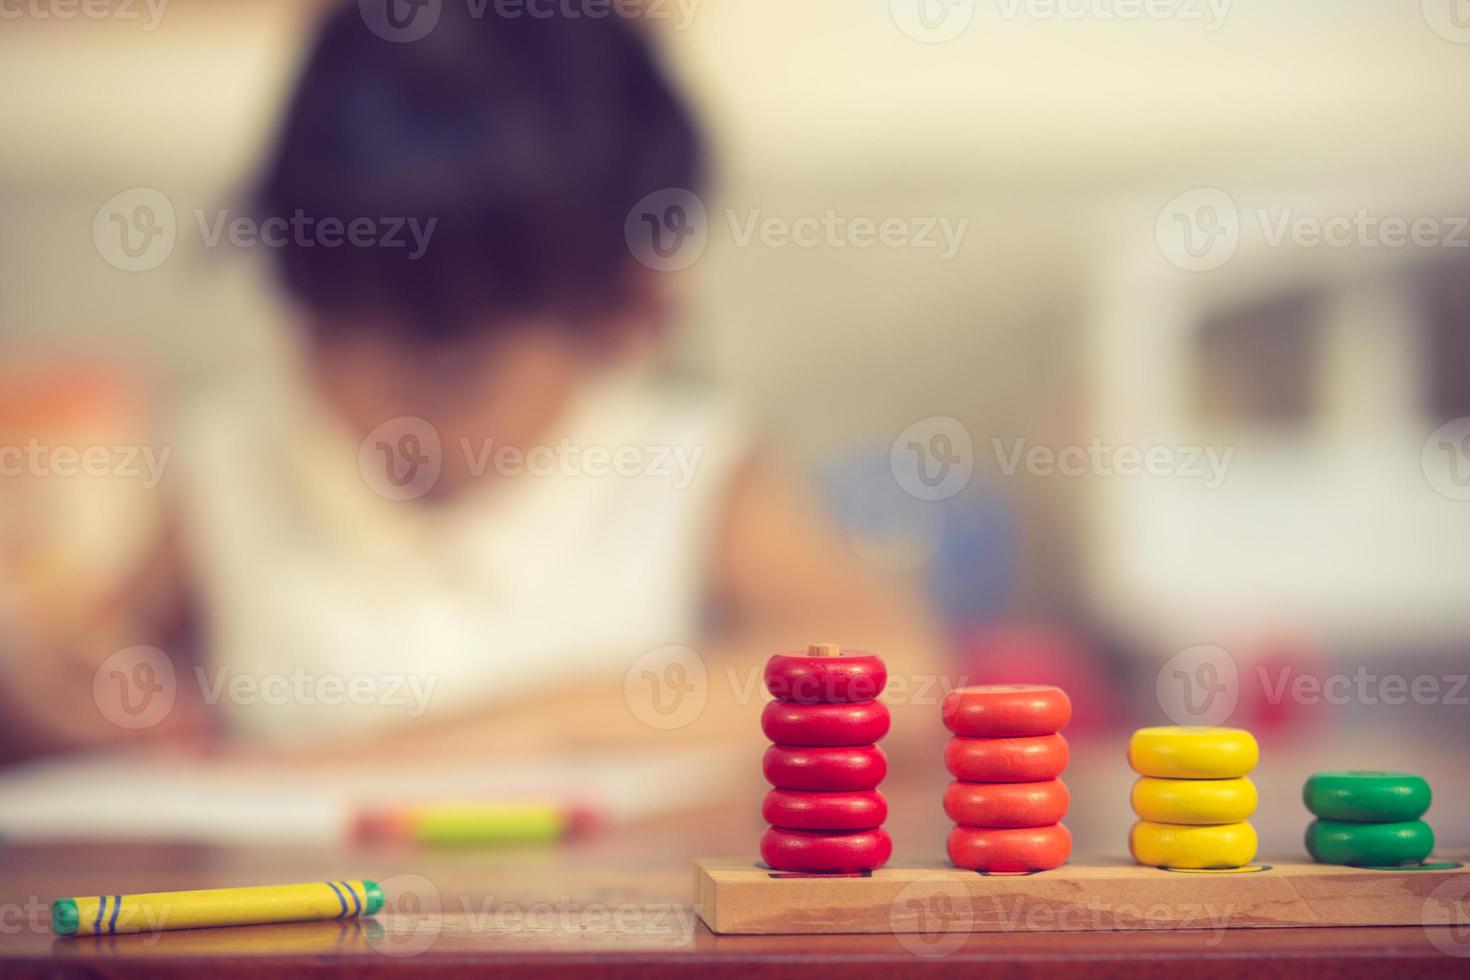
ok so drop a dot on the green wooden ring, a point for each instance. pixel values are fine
(1342, 842)
(1367, 797)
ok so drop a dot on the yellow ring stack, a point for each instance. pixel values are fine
(1193, 797)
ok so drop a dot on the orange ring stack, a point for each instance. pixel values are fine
(1006, 756)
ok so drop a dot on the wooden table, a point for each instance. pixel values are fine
(613, 906)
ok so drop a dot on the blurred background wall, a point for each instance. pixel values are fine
(1069, 145)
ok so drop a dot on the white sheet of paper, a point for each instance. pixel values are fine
(127, 797)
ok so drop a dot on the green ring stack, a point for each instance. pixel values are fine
(1367, 818)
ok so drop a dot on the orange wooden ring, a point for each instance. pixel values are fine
(1010, 849)
(855, 676)
(825, 770)
(814, 852)
(1007, 804)
(1032, 759)
(1006, 710)
(849, 723)
(794, 810)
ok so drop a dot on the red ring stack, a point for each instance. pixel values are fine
(1006, 756)
(825, 811)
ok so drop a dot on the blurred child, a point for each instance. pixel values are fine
(473, 491)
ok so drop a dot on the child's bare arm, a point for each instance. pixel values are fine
(54, 640)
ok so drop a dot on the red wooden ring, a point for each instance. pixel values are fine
(850, 723)
(855, 676)
(1006, 710)
(1012, 849)
(814, 852)
(825, 770)
(1006, 760)
(793, 810)
(1007, 804)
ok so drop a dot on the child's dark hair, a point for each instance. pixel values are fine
(526, 140)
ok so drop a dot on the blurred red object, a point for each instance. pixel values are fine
(69, 537)
(1270, 670)
(1022, 653)
(47, 396)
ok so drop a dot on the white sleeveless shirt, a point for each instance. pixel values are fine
(331, 609)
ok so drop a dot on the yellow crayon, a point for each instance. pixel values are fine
(108, 915)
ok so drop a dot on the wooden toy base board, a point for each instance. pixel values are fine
(741, 897)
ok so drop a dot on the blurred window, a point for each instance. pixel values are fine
(1447, 344)
(1258, 364)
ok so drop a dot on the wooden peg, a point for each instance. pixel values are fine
(824, 650)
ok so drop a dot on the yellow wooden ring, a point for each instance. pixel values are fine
(1194, 801)
(1173, 752)
(1165, 845)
